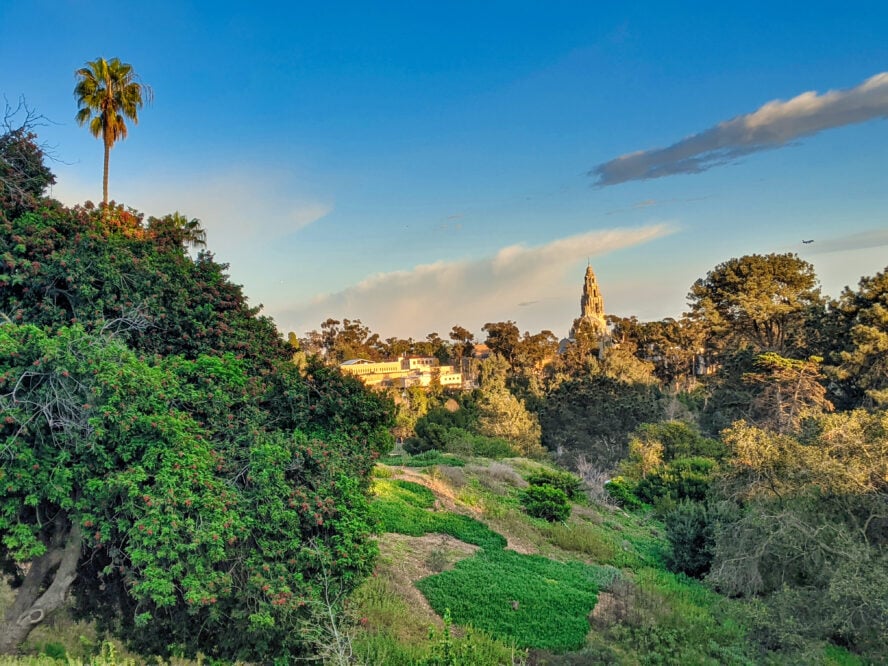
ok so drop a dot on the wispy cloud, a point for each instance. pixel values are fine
(470, 292)
(863, 240)
(773, 125)
(235, 205)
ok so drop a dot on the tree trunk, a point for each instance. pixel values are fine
(31, 606)
(105, 173)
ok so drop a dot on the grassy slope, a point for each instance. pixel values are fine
(591, 590)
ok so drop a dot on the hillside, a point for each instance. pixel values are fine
(593, 589)
(465, 577)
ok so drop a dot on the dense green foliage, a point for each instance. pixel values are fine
(456, 431)
(566, 482)
(64, 266)
(594, 415)
(160, 454)
(757, 300)
(490, 423)
(188, 506)
(861, 358)
(546, 502)
(691, 527)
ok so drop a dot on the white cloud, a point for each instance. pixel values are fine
(773, 125)
(434, 297)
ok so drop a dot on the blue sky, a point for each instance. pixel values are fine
(420, 165)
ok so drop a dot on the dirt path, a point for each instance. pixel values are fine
(407, 559)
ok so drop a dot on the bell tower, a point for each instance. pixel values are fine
(591, 305)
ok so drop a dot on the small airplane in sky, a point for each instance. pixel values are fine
(808, 241)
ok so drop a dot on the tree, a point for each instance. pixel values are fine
(24, 176)
(501, 414)
(534, 352)
(103, 268)
(108, 93)
(863, 363)
(129, 369)
(463, 342)
(786, 390)
(595, 416)
(502, 338)
(172, 495)
(757, 300)
(672, 346)
(177, 230)
(810, 529)
(578, 357)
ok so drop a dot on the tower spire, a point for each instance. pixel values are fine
(591, 305)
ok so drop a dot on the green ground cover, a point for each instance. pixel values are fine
(526, 599)
(535, 601)
(403, 507)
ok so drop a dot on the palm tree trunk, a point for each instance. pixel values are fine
(105, 175)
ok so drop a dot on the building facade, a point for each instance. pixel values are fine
(404, 372)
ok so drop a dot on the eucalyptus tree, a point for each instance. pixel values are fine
(108, 93)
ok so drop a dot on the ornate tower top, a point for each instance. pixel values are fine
(591, 305)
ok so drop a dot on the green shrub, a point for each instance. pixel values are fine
(546, 502)
(566, 482)
(685, 478)
(622, 491)
(691, 529)
(492, 447)
(55, 651)
(681, 440)
(415, 445)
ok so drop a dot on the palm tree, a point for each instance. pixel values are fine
(178, 230)
(108, 93)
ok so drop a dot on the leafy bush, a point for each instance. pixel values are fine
(622, 492)
(415, 445)
(682, 479)
(199, 462)
(546, 502)
(595, 415)
(681, 440)
(566, 482)
(491, 447)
